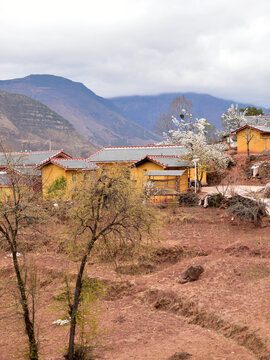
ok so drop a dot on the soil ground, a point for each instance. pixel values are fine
(147, 313)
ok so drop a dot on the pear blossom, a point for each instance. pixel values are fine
(193, 135)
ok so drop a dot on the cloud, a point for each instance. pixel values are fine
(125, 47)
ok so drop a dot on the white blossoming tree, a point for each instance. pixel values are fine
(233, 118)
(193, 135)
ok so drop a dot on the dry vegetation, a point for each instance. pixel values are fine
(145, 312)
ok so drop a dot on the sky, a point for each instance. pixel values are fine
(142, 47)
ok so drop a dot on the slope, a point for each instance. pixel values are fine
(147, 109)
(28, 124)
(92, 116)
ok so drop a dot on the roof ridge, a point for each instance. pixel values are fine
(32, 152)
(251, 126)
(136, 147)
(168, 156)
(65, 166)
(73, 159)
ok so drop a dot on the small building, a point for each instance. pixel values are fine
(165, 172)
(29, 159)
(71, 170)
(126, 155)
(5, 186)
(130, 155)
(258, 137)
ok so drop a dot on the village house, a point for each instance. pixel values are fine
(164, 176)
(5, 186)
(127, 155)
(257, 132)
(29, 159)
(161, 164)
(69, 171)
(171, 171)
(25, 165)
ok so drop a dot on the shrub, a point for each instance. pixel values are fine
(264, 170)
(216, 200)
(245, 208)
(267, 191)
(188, 199)
(57, 188)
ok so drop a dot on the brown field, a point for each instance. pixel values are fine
(146, 313)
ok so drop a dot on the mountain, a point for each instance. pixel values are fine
(94, 117)
(27, 124)
(145, 110)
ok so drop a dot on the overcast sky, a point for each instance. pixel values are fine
(128, 47)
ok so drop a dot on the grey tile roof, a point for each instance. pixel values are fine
(168, 161)
(260, 120)
(134, 153)
(265, 129)
(75, 164)
(4, 179)
(27, 158)
(30, 171)
(262, 128)
(164, 173)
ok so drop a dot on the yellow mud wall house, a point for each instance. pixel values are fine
(200, 174)
(5, 187)
(72, 170)
(29, 159)
(127, 155)
(259, 135)
(24, 164)
(165, 172)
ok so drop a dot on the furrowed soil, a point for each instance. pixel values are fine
(145, 312)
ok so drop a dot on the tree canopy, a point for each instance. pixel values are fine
(193, 134)
(252, 111)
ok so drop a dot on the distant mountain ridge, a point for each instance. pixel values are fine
(27, 124)
(94, 117)
(146, 110)
(118, 121)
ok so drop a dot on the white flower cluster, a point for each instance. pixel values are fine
(233, 118)
(61, 322)
(193, 135)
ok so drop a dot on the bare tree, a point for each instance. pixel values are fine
(19, 209)
(106, 208)
(164, 123)
(247, 136)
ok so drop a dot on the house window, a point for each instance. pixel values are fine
(73, 176)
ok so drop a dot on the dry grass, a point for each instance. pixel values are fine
(257, 271)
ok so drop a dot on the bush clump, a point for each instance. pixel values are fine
(188, 199)
(217, 200)
(244, 208)
(264, 170)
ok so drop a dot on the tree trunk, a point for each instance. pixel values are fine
(76, 302)
(248, 153)
(29, 326)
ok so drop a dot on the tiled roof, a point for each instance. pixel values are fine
(28, 170)
(261, 128)
(4, 179)
(165, 161)
(134, 153)
(71, 164)
(32, 158)
(164, 173)
(260, 120)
